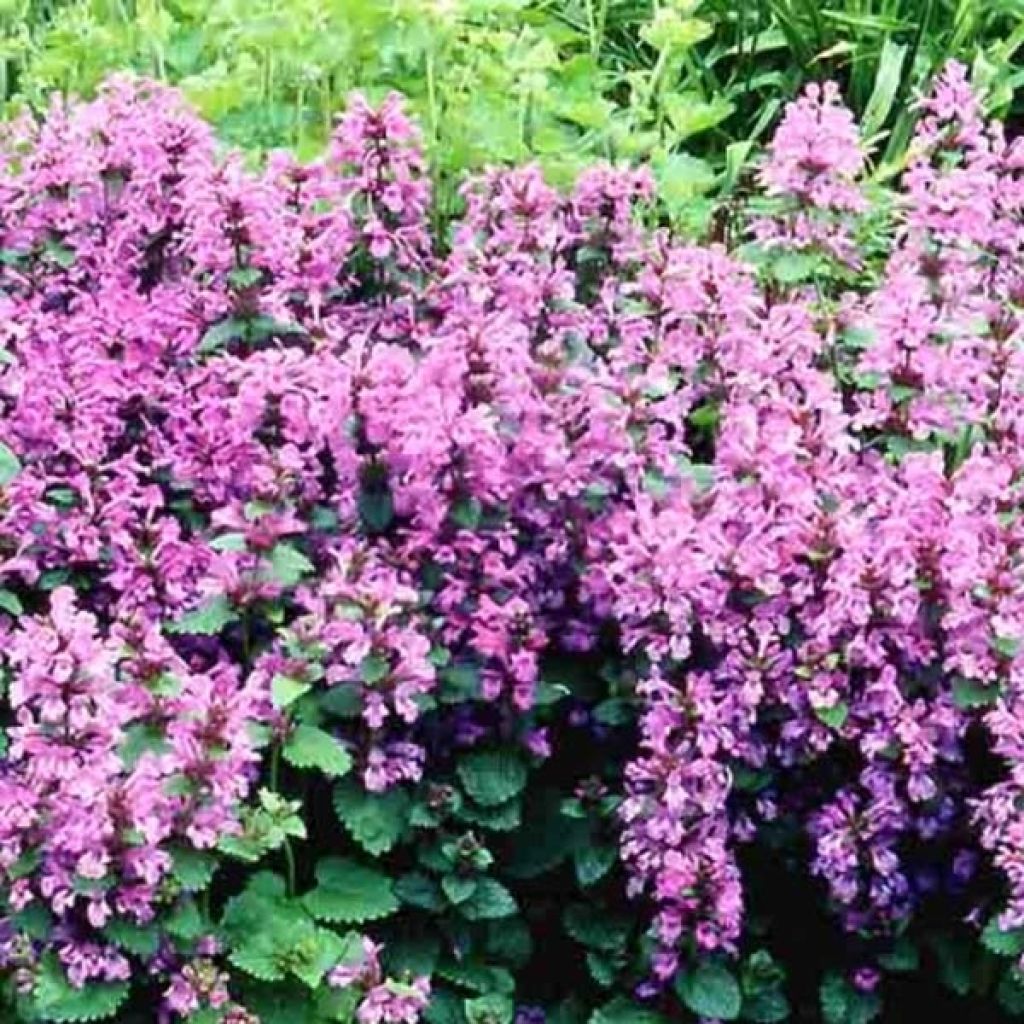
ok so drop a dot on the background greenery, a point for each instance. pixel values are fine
(692, 86)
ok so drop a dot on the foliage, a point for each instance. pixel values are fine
(690, 86)
(387, 617)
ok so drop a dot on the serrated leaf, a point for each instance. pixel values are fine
(310, 747)
(142, 940)
(1000, 942)
(56, 1000)
(193, 869)
(490, 1009)
(350, 892)
(769, 1006)
(841, 1003)
(285, 691)
(457, 888)
(375, 821)
(710, 990)
(624, 1011)
(546, 838)
(477, 977)
(593, 861)
(288, 565)
(419, 890)
(492, 776)
(490, 900)
(1010, 992)
(501, 818)
(260, 958)
(595, 928)
(327, 949)
(206, 620)
(972, 693)
(185, 921)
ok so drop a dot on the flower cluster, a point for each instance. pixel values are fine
(286, 480)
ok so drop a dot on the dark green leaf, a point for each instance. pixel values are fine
(310, 747)
(375, 821)
(350, 892)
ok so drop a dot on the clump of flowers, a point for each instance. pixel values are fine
(352, 579)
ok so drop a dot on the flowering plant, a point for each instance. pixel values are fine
(385, 616)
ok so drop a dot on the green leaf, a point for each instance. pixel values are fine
(10, 603)
(374, 668)
(220, 334)
(710, 990)
(492, 776)
(285, 691)
(477, 977)
(509, 940)
(142, 940)
(229, 542)
(349, 892)
(466, 513)
(445, 1007)
(375, 821)
(288, 565)
(457, 888)
(903, 956)
(310, 747)
(259, 957)
(546, 838)
(1007, 646)
(766, 1006)
(1002, 943)
(794, 266)
(10, 466)
(623, 1011)
(887, 82)
(324, 951)
(1010, 992)
(593, 927)
(972, 693)
(193, 869)
(490, 900)
(185, 921)
(501, 818)
(490, 1009)
(208, 619)
(835, 716)
(55, 999)
(593, 861)
(419, 890)
(841, 1003)
(140, 739)
(376, 510)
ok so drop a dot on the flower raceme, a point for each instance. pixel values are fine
(262, 436)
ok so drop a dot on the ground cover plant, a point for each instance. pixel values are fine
(387, 617)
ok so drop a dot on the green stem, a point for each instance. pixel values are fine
(275, 766)
(289, 859)
(289, 854)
